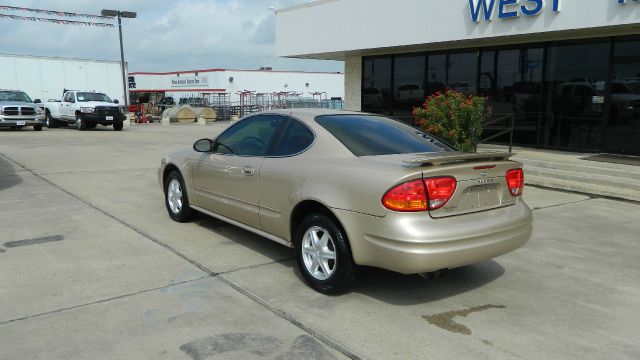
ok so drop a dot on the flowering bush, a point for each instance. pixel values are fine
(453, 116)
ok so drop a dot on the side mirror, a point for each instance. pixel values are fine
(115, 101)
(37, 101)
(203, 145)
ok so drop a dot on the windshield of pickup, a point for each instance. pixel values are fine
(91, 96)
(17, 96)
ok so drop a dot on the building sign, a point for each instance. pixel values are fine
(189, 81)
(508, 9)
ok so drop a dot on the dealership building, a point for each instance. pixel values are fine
(566, 71)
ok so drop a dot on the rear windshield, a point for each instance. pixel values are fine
(366, 135)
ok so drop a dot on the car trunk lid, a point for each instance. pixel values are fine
(481, 181)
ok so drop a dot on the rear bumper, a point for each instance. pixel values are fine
(415, 243)
(11, 121)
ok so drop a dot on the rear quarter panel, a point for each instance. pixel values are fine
(346, 183)
(54, 109)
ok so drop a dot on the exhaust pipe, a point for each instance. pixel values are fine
(433, 275)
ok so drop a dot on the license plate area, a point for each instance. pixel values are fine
(480, 197)
(21, 123)
(109, 118)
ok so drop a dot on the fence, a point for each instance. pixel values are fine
(250, 102)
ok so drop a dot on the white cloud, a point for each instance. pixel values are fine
(167, 35)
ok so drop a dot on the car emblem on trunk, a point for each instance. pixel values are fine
(483, 174)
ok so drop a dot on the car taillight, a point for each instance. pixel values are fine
(410, 196)
(515, 180)
(439, 190)
(420, 195)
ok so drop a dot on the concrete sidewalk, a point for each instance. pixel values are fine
(570, 171)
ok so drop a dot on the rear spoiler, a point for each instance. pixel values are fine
(457, 157)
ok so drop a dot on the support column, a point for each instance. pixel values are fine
(353, 83)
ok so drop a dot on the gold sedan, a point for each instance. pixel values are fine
(347, 189)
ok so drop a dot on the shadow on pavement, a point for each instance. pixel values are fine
(398, 289)
(8, 175)
(382, 285)
(249, 240)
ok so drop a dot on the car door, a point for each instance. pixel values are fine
(66, 110)
(278, 179)
(226, 180)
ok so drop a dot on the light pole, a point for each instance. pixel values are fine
(120, 15)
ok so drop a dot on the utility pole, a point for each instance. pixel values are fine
(129, 15)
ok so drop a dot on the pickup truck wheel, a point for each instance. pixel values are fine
(37, 127)
(80, 124)
(117, 126)
(49, 121)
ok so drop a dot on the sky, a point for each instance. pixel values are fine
(167, 35)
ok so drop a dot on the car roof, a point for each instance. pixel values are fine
(308, 115)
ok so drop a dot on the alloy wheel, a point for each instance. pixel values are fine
(319, 253)
(174, 196)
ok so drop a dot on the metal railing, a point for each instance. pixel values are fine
(226, 109)
(511, 122)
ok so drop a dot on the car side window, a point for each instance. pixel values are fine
(66, 97)
(249, 137)
(296, 138)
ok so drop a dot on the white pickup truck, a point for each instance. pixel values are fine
(85, 110)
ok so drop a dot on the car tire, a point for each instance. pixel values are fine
(80, 124)
(176, 199)
(37, 127)
(324, 255)
(49, 121)
(117, 126)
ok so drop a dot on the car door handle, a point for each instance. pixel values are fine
(248, 171)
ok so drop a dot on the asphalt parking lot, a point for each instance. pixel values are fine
(91, 267)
